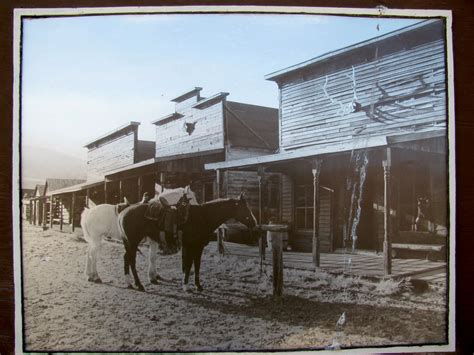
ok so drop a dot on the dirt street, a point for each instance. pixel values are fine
(63, 311)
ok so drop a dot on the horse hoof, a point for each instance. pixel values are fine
(94, 280)
(141, 288)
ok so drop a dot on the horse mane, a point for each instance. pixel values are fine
(217, 200)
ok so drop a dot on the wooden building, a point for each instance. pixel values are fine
(113, 150)
(39, 203)
(205, 130)
(199, 131)
(363, 138)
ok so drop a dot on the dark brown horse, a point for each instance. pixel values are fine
(148, 220)
(200, 223)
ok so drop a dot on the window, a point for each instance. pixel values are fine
(304, 206)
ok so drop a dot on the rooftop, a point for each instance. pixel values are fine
(425, 26)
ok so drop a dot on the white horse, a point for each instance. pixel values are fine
(101, 221)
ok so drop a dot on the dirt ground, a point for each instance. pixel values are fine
(236, 311)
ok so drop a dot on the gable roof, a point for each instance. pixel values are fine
(39, 190)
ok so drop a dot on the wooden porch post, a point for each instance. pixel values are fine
(73, 205)
(87, 198)
(387, 243)
(316, 240)
(44, 214)
(162, 181)
(139, 187)
(30, 217)
(34, 212)
(220, 232)
(105, 191)
(51, 212)
(120, 191)
(61, 214)
(261, 241)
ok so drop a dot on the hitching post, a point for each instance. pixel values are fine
(277, 261)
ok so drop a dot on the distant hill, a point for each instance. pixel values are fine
(40, 163)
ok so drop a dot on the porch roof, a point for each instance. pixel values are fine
(371, 142)
(78, 187)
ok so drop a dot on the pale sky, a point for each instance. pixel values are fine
(85, 76)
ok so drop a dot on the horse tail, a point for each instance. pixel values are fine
(122, 233)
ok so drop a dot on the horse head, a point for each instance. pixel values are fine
(182, 206)
(243, 213)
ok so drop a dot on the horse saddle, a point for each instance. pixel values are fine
(162, 213)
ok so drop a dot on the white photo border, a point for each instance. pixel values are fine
(380, 11)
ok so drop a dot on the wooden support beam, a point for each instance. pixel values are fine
(105, 191)
(316, 170)
(73, 206)
(120, 191)
(43, 218)
(218, 182)
(30, 217)
(34, 212)
(139, 187)
(51, 211)
(162, 180)
(87, 198)
(387, 243)
(61, 218)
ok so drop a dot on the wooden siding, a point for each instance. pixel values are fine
(111, 155)
(302, 239)
(234, 153)
(251, 126)
(236, 182)
(407, 88)
(172, 138)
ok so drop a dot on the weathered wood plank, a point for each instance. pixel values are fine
(408, 87)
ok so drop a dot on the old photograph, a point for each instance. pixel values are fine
(234, 179)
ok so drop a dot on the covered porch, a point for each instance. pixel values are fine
(359, 196)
